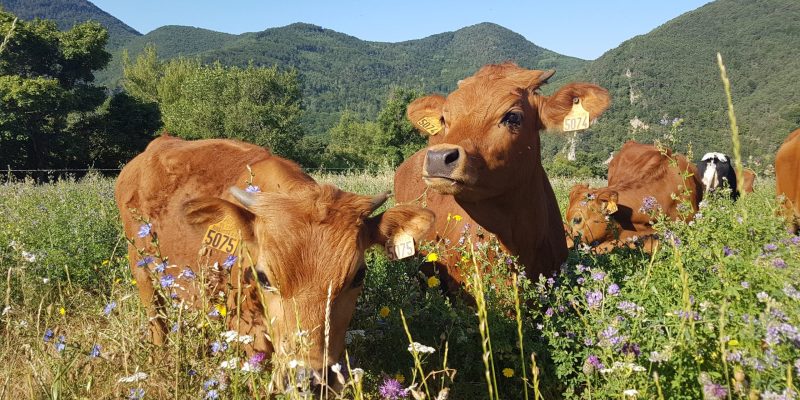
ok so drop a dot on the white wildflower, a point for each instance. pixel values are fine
(336, 368)
(229, 336)
(6, 310)
(295, 363)
(357, 374)
(29, 257)
(139, 376)
(606, 371)
(249, 367)
(45, 280)
(631, 392)
(420, 348)
(230, 364)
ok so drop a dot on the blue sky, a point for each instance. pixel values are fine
(579, 28)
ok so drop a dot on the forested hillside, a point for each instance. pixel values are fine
(672, 73)
(68, 13)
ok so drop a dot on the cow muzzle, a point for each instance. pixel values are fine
(444, 166)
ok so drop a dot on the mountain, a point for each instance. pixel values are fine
(67, 13)
(672, 72)
(343, 72)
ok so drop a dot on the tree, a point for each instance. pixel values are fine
(254, 104)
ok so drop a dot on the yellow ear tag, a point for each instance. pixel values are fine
(611, 207)
(430, 125)
(577, 119)
(400, 247)
(222, 236)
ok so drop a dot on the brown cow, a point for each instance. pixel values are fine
(748, 180)
(642, 180)
(301, 239)
(787, 177)
(484, 163)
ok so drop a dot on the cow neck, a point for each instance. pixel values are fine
(520, 218)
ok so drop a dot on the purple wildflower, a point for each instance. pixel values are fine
(160, 267)
(144, 261)
(109, 308)
(669, 235)
(188, 273)
(727, 251)
(392, 389)
(594, 298)
(509, 261)
(257, 358)
(212, 394)
(61, 344)
(136, 394)
(549, 312)
(649, 204)
(770, 247)
(95, 352)
(229, 261)
(592, 364)
(551, 282)
(218, 346)
(778, 263)
(167, 281)
(210, 384)
(48, 335)
(795, 240)
(144, 230)
(252, 189)
(711, 390)
(613, 289)
(631, 348)
(598, 275)
(581, 280)
(746, 284)
(580, 268)
(791, 291)
(610, 337)
(588, 342)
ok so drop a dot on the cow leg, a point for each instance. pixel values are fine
(152, 301)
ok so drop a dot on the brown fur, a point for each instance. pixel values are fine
(299, 237)
(787, 178)
(748, 180)
(499, 185)
(638, 171)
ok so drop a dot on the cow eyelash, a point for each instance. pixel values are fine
(358, 280)
(512, 119)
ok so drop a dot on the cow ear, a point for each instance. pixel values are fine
(425, 114)
(608, 201)
(578, 191)
(399, 223)
(207, 211)
(555, 108)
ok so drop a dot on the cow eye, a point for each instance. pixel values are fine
(359, 278)
(262, 279)
(512, 119)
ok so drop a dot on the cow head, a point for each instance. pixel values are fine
(307, 249)
(715, 170)
(489, 137)
(589, 213)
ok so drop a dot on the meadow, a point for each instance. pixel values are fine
(712, 313)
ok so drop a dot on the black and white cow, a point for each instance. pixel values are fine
(716, 170)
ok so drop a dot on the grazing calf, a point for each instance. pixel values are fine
(642, 181)
(300, 245)
(716, 171)
(483, 163)
(787, 178)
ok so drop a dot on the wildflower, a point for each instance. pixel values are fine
(350, 335)
(791, 291)
(593, 299)
(598, 275)
(221, 310)
(727, 251)
(778, 263)
(144, 261)
(48, 335)
(551, 282)
(384, 312)
(763, 297)
(711, 390)
(415, 347)
(649, 204)
(733, 343)
(187, 273)
(592, 364)
(508, 372)
(109, 308)
(105, 262)
(229, 261)
(610, 337)
(252, 189)
(45, 280)
(357, 374)
(61, 344)
(392, 389)
(258, 358)
(669, 235)
(29, 257)
(613, 289)
(212, 394)
(795, 240)
(745, 284)
(62, 311)
(549, 312)
(229, 364)
(631, 348)
(630, 392)
(210, 383)
(139, 376)
(161, 267)
(167, 281)
(136, 394)
(432, 257)
(433, 282)
(581, 280)
(144, 230)
(133, 282)
(294, 364)
(770, 247)
(95, 352)
(401, 378)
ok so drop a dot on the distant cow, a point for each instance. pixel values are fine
(716, 171)
(642, 181)
(483, 163)
(299, 245)
(787, 177)
(747, 183)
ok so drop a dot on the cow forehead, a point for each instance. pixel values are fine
(719, 156)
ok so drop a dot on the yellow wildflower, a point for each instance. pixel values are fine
(457, 217)
(432, 257)
(105, 262)
(508, 372)
(133, 282)
(221, 309)
(433, 282)
(62, 311)
(384, 312)
(733, 342)
(399, 377)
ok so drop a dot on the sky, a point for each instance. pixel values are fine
(579, 28)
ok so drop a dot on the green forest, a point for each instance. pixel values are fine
(328, 99)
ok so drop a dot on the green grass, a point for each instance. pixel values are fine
(684, 316)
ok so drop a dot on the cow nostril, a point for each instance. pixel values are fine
(577, 220)
(451, 157)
